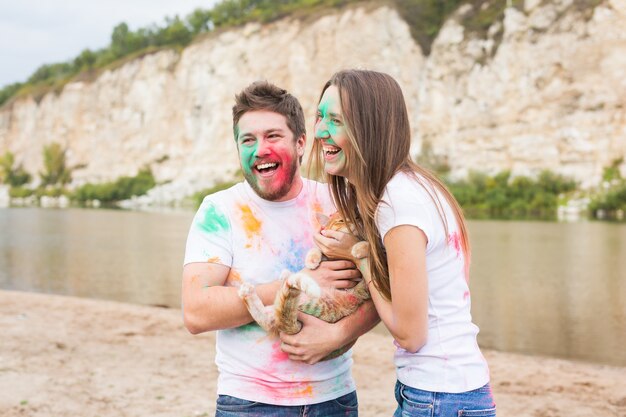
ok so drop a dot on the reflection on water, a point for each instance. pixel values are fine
(117, 255)
(551, 288)
(543, 288)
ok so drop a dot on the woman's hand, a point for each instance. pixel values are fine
(338, 274)
(335, 244)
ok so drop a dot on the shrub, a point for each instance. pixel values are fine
(121, 189)
(56, 170)
(20, 192)
(10, 174)
(613, 198)
(501, 196)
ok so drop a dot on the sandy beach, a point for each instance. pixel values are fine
(63, 356)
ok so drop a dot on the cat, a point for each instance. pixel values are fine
(329, 305)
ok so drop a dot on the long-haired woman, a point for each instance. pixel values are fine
(420, 251)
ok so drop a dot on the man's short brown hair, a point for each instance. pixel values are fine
(262, 95)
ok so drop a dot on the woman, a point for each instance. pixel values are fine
(420, 254)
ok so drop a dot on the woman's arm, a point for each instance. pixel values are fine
(407, 316)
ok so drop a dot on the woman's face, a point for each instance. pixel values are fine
(330, 130)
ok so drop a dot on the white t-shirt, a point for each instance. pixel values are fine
(258, 239)
(450, 361)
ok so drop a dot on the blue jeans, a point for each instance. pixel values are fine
(345, 406)
(414, 402)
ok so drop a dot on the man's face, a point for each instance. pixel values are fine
(269, 155)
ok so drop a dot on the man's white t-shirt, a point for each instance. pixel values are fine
(450, 361)
(258, 239)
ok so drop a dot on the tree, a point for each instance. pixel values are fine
(15, 176)
(55, 168)
(199, 21)
(85, 60)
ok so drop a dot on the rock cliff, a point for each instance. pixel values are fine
(545, 88)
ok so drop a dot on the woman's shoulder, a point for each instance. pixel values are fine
(408, 182)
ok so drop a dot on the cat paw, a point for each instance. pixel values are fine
(361, 250)
(306, 284)
(313, 258)
(245, 290)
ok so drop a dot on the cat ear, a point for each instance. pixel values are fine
(322, 219)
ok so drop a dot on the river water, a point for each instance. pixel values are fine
(544, 288)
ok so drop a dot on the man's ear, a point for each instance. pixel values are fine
(301, 145)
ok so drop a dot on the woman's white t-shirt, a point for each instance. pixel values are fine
(451, 360)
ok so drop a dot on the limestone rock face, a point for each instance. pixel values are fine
(549, 93)
(553, 94)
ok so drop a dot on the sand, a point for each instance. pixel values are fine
(63, 356)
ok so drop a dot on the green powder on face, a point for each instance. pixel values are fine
(214, 221)
(248, 156)
(323, 109)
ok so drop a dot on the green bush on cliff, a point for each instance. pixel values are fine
(501, 196)
(121, 189)
(12, 174)
(55, 166)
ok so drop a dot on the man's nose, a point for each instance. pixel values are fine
(264, 148)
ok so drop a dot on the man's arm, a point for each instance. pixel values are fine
(318, 338)
(210, 305)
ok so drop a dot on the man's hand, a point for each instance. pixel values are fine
(336, 274)
(336, 244)
(314, 342)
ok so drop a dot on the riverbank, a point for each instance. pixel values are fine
(63, 356)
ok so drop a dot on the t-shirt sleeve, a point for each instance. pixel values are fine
(404, 204)
(209, 238)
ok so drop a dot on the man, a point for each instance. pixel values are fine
(251, 232)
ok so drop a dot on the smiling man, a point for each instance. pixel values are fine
(251, 232)
(267, 154)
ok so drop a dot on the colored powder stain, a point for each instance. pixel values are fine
(455, 240)
(330, 126)
(196, 278)
(214, 260)
(466, 295)
(234, 278)
(305, 392)
(293, 258)
(277, 354)
(214, 220)
(316, 211)
(251, 225)
(248, 328)
(247, 158)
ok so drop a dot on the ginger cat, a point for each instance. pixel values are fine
(330, 305)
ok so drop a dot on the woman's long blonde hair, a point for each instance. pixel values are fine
(377, 125)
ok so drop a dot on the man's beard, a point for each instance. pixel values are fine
(275, 194)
